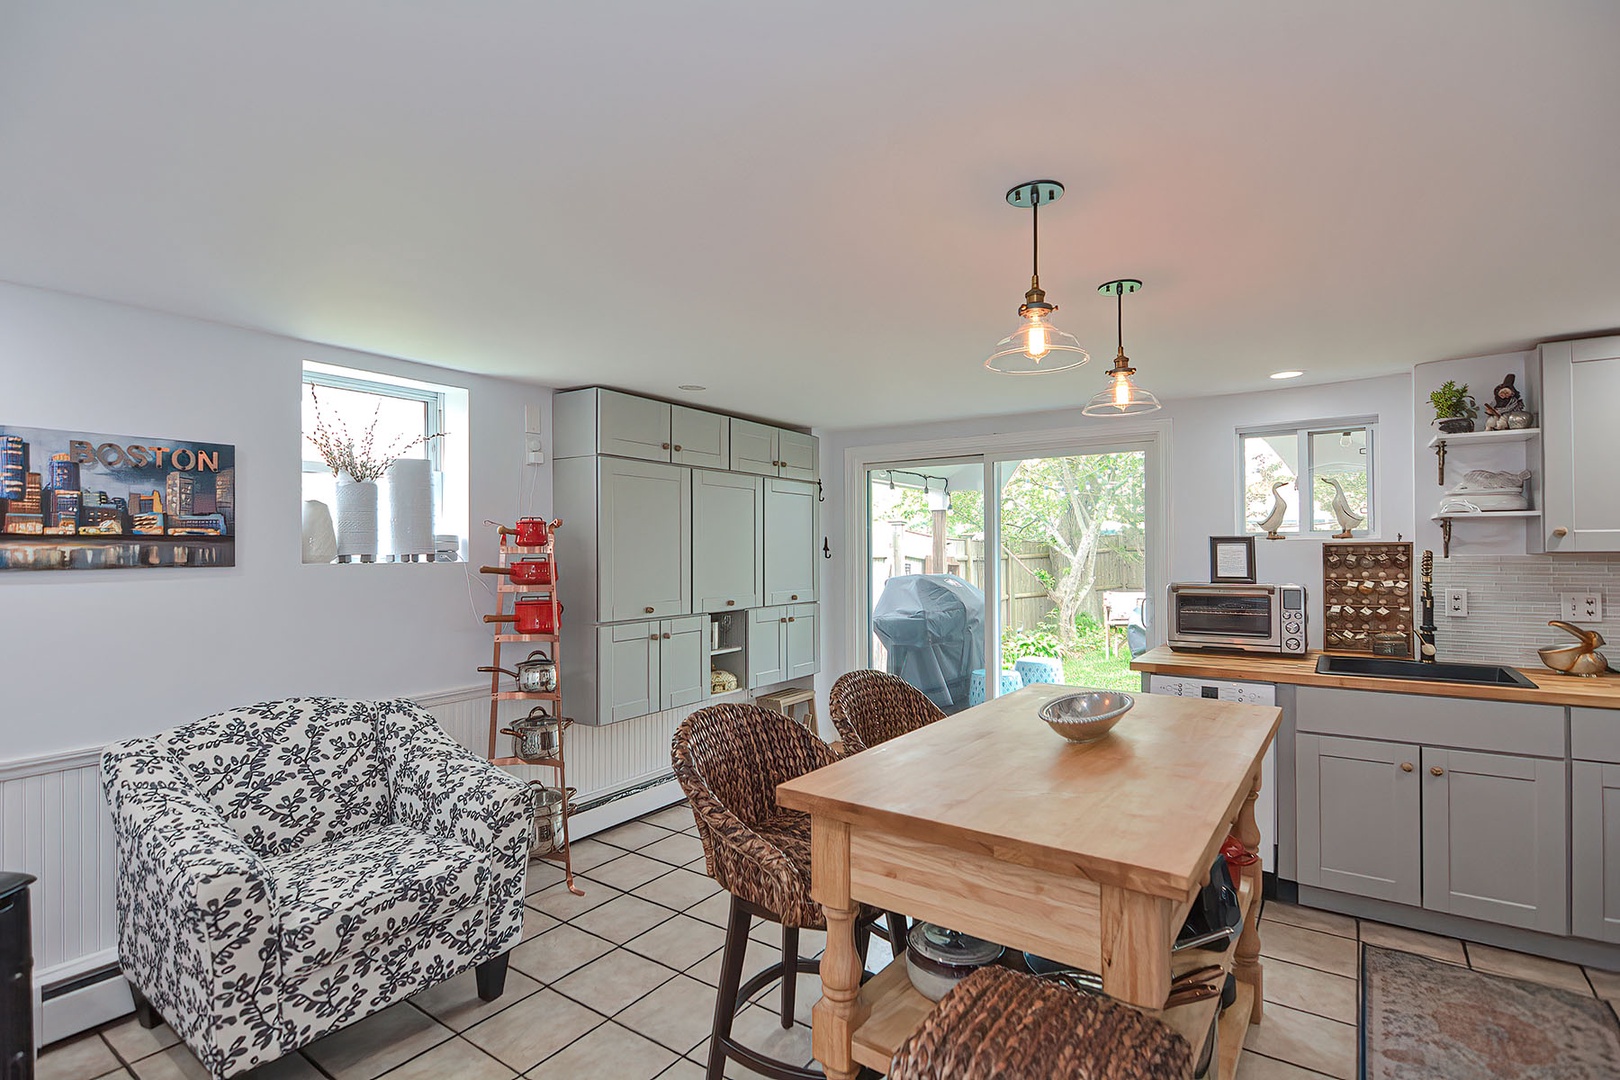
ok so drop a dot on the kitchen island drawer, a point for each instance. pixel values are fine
(1594, 735)
(1497, 726)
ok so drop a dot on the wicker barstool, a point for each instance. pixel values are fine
(870, 707)
(729, 760)
(999, 1024)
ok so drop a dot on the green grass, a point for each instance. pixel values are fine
(1095, 668)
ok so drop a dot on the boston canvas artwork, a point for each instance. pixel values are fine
(72, 500)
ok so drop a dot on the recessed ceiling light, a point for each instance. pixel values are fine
(692, 388)
(1286, 374)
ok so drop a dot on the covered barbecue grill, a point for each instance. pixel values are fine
(933, 628)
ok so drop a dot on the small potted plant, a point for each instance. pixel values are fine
(1454, 409)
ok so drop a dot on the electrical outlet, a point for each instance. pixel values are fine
(1457, 603)
(1584, 606)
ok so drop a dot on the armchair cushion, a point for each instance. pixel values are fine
(353, 894)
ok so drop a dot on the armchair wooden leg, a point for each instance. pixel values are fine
(492, 977)
(144, 1013)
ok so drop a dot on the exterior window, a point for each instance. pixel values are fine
(1338, 450)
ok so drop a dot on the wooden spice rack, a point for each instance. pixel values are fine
(1368, 589)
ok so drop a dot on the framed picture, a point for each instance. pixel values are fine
(1231, 559)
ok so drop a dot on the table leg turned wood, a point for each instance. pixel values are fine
(1246, 958)
(839, 1012)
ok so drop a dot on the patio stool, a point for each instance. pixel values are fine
(870, 707)
(1010, 681)
(999, 1024)
(1039, 669)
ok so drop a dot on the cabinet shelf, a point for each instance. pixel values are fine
(1511, 435)
(1445, 521)
(724, 651)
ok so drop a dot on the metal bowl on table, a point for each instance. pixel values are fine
(1087, 716)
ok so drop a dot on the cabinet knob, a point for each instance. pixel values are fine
(664, 446)
(648, 610)
(1437, 771)
(1406, 766)
(676, 448)
(795, 596)
(652, 637)
(790, 618)
(1560, 531)
(731, 603)
(666, 637)
(782, 619)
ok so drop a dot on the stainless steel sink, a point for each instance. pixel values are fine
(1379, 667)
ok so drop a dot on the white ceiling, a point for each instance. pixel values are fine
(800, 204)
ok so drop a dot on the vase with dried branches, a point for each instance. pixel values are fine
(358, 463)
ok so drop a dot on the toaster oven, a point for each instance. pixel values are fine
(1238, 618)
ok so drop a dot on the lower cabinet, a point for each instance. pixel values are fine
(1595, 847)
(1359, 807)
(645, 667)
(783, 644)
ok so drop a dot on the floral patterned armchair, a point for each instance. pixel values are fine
(288, 868)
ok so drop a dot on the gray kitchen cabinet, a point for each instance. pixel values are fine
(699, 438)
(683, 668)
(1359, 805)
(627, 666)
(798, 455)
(1580, 444)
(598, 421)
(801, 644)
(1495, 838)
(753, 447)
(766, 646)
(644, 537)
(792, 532)
(728, 541)
(1595, 850)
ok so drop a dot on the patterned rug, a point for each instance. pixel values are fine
(1424, 1019)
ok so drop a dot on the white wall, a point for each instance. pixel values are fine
(1203, 480)
(92, 656)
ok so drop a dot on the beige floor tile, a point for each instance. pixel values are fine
(679, 1014)
(679, 890)
(455, 1002)
(708, 969)
(178, 1063)
(1312, 948)
(682, 1070)
(628, 871)
(588, 854)
(535, 922)
(81, 1058)
(1259, 1067)
(1310, 990)
(615, 981)
(680, 942)
(557, 952)
(761, 1030)
(1536, 969)
(133, 1042)
(808, 991)
(608, 1053)
(622, 918)
(559, 903)
(678, 817)
(1606, 983)
(1435, 947)
(633, 835)
(677, 849)
(716, 909)
(542, 874)
(1305, 1039)
(376, 1044)
(1328, 922)
(532, 1030)
(454, 1058)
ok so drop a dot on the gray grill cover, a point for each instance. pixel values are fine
(933, 628)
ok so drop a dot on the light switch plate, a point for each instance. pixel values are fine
(1457, 603)
(1585, 606)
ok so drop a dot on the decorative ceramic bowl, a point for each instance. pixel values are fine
(1086, 716)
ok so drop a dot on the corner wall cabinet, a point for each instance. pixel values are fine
(669, 536)
(1580, 443)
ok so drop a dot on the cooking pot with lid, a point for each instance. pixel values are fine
(536, 737)
(551, 808)
(535, 675)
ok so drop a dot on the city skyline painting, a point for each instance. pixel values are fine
(73, 500)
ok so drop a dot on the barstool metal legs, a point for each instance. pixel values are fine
(733, 990)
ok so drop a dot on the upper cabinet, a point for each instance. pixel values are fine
(599, 421)
(798, 455)
(771, 451)
(728, 541)
(643, 540)
(699, 438)
(1580, 444)
(792, 529)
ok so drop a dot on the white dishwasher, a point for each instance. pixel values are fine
(1245, 693)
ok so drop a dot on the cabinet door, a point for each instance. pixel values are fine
(1359, 811)
(800, 455)
(1580, 444)
(767, 642)
(802, 645)
(792, 528)
(1595, 851)
(1495, 838)
(644, 535)
(683, 668)
(699, 438)
(753, 448)
(627, 661)
(728, 541)
(629, 426)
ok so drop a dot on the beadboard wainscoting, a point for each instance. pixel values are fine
(1510, 599)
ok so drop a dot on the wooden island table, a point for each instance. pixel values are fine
(1089, 854)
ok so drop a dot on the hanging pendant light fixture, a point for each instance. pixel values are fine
(1037, 346)
(1123, 397)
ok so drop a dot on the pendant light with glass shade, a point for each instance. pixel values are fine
(1036, 347)
(1123, 397)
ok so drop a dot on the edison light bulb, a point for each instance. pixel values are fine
(1122, 392)
(1037, 341)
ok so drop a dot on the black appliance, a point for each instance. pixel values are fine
(16, 979)
(932, 626)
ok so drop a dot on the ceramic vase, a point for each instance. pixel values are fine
(410, 507)
(356, 518)
(320, 539)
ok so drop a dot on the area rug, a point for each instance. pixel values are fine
(1422, 1018)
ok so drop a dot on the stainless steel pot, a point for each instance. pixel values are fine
(550, 809)
(535, 675)
(536, 737)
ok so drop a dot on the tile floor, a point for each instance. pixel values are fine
(619, 985)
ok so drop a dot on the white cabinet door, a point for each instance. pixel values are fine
(792, 529)
(1595, 851)
(728, 541)
(644, 564)
(630, 426)
(799, 455)
(1359, 819)
(1495, 838)
(699, 438)
(627, 660)
(802, 645)
(1580, 444)
(753, 448)
(683, 669)
(767, 643)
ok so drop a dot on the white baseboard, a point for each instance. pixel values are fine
(626, 809)
(82, 1008)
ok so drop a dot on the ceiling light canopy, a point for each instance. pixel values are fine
(1036, 346)
(1123, 397)
(1286, 374)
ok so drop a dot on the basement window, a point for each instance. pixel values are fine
(1305, 458)
(381, 419)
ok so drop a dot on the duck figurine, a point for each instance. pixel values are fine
(1348, 518)
(1279, 509)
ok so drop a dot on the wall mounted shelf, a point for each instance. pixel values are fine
(1472, 438)
(1445, 521)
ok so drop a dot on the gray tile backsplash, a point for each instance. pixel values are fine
(1510, 599)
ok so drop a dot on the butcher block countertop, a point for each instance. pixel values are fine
(1552, 688)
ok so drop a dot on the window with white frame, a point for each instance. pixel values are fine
(1308, 466)
(378, 420)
